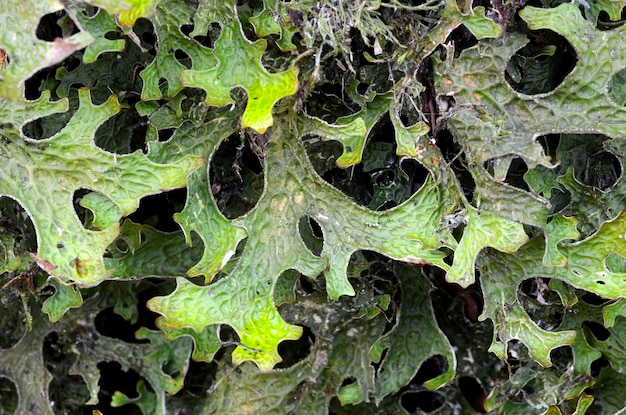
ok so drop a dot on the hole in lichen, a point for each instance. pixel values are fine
(431, 368)
(46, 127)
(306, 285)
(236, 175)
(37, 83)
(562, 358)
(427, 401)
(597, 365)
(183, 58)
(294, 351)
(350, 380)
(604, 21)
(378, 366)
(473, 392)
(114, 379)
(84, 215)
(66, 391)
(329, 101)
(559, 200)
(15, 221)
(208, 39)
(516, 352)
(186, 29)
(158, 210)
(204, 41)
(113, 325)
(166, 133)
(397, 183)
(227, 267)
(171, 369)
(311, 234)
(542, 304)
(48, 28)
(550, 144)
(113, 35)
(594, 299)
(240, 94)
(463, 39)
(602, 170)
(353, 182)
(123, 133)
(513, 176)
(362, 88)
(381, 181)
(90, 11)
(452, 296)
(228, 335)
(542, 64)
(92, 210)
(200, 377)
(285, 287)
(8, 395)
(148, 38)
(597, 330)
(525, 392)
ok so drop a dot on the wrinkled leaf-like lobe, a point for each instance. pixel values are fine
(293, 190)
(43, 176)
(239, 64)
